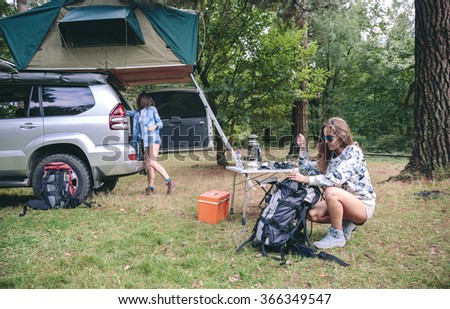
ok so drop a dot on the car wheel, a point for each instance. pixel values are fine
(107, 186)
(81, 180)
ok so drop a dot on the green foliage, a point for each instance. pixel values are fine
(392, 143)
(6, 9)
(253, 66)
(359, 65)
(369, 55)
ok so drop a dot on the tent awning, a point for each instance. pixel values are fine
(135, 76)
(157, 75)
(101, 25)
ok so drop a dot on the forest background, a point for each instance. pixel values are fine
(352, 59)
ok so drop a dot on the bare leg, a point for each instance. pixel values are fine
(319, 213)
(150, 174)
(153, 164)
(150, 169)
(338, 205)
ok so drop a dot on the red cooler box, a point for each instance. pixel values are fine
(213, 206)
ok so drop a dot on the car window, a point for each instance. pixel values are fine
(14, 101)
(64, 101)
(182, 104)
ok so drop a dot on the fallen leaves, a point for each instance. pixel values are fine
(234, 278)
(433, 250)
(197, 284)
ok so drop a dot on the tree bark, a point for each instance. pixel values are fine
(301, 106)
(431, 149)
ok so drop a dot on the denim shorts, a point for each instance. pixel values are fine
(152, 139)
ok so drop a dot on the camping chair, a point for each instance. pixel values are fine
(272, 181)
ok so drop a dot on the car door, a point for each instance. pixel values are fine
(185, 123)
(21, 129)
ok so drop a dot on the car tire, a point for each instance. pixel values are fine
(81, 181)
(107, 186)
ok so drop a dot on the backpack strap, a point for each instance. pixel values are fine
(73, 202)
(327, 256)
(321, 254)
(302, 219)
(252, 237)
(35, 204)
(283, 251)
(24, 211)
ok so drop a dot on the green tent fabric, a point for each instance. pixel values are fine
(32, 25)
(80, 22)
(175, 27)
(170, 38)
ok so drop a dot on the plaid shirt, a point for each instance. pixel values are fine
(144, 119)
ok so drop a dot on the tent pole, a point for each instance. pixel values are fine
(213, 118)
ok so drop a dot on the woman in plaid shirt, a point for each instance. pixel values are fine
(147, 124)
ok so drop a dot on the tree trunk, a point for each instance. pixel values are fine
(300, 120)
(302, 114)
(301, 108)
(431, 150)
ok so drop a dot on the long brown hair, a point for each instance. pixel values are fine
(145, 100)
(343, 133)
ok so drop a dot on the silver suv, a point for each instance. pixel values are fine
(76, 118)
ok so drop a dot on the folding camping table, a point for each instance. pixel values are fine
(251, 174)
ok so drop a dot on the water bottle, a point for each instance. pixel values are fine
(303, 150)
(239, 159)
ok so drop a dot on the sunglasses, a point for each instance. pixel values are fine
(328, 138)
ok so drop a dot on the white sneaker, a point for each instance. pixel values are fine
(334, 238)
(348, 227)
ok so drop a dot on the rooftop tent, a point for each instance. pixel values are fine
(100, 25)
(138, 43)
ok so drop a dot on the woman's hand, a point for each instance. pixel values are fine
(152, 128)
(298, 177)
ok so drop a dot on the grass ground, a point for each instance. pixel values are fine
(128, 240)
